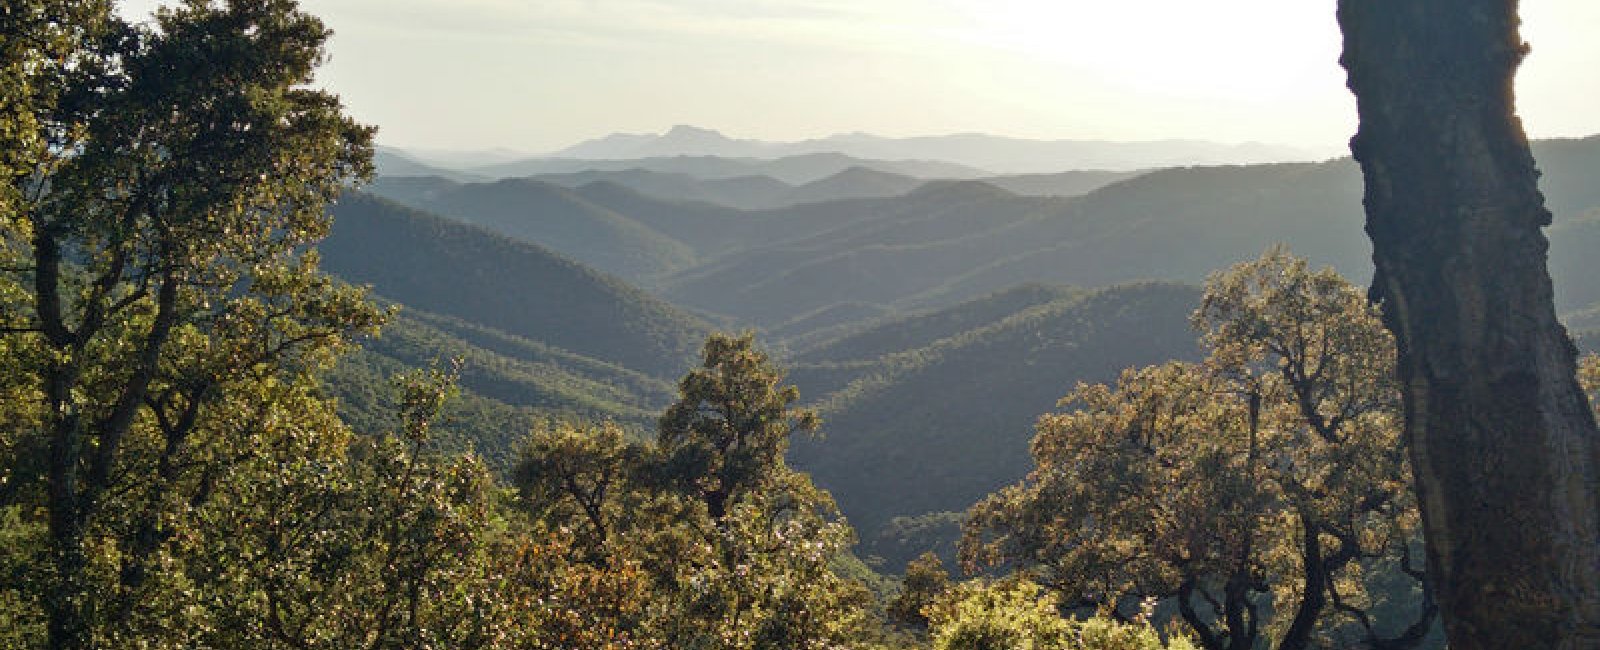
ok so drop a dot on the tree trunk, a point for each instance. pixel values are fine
(1502, 441)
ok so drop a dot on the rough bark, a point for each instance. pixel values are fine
(1503, 444)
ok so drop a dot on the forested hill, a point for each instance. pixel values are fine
(942, 244)
(763, 192)
(508, 385)
(954, 241)
(932, 413)
(446, 267)
(558, 218)
(923, 330)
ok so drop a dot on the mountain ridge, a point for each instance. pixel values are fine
(1002, 154)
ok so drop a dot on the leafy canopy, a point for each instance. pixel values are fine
(1255, 491)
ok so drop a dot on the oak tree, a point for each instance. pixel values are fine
(161, 184)
(1254, 491)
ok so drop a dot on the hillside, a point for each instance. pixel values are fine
(946, 397)
(765, 192)
(1574, 244)
(555, 217)
(922, 330)
(863, 250)
(1569, 168)
(1070, 183)
(508, 384)
(445, 267)
(947, 242)
(852, 183)
(744, 192)
(706, 228)
(941, 414)
(942, 244)
(389, 161)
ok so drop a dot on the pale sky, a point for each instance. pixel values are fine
(537, 75)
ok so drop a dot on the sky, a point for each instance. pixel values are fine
(537, 75)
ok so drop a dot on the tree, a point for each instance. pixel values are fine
(740, 550)
(583, 477)
(726, 435)
(158, 308)
(1255, 491)
(925, 579)
(308, 546)
(1506, 452)
(1589, 378)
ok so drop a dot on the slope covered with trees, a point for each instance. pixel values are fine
(555, 217)
(949, 242)
(936, 425)
(445, 267)
(507, 385)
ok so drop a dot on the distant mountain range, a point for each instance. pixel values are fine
(794, 170)
(947, 241)
(761, 192)
(707, 154)
(994, 153)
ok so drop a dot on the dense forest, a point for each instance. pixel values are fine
(264, 384)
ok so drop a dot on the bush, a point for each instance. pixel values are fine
(1015, 614)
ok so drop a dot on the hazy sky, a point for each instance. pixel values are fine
(536, 75)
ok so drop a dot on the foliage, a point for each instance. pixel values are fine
(1015, 614)
(577, 476)
(925, 580)
(312, 548)
(1589, 378)
(739, 549)
(508, 386)
(726, 435)
(1254, 490)
(158, 305)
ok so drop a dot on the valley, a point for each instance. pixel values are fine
(929, 310)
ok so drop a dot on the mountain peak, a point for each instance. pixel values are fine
(684, 130)
(690, 139)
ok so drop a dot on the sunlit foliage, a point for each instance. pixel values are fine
(739, 548)
(1257, 491)
(1015, 614)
